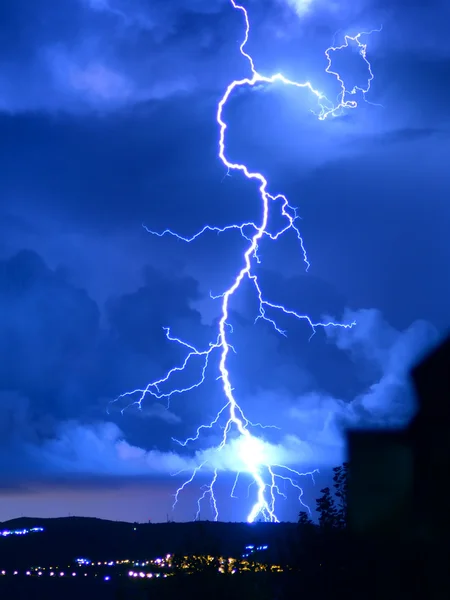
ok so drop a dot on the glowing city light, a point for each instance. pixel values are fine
(20, 532)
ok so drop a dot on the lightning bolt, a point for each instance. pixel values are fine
(266, 475)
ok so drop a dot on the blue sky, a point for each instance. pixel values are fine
(107, 123)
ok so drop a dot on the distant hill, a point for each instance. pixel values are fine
(65, 539)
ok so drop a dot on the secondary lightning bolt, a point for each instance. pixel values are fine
(251, 449)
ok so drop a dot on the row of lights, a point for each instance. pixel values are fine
(132, 574)
(55, 571)
(166, 562)
(51, 574)
(143, 575)
(8, 532)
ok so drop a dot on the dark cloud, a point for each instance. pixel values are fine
(46, 326)
(105, 54)
(60, 364)
(137, 319)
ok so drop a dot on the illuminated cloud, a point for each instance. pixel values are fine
(301, 7)
(100, 450)
(99, 82)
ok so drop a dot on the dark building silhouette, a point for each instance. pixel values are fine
(399, 483)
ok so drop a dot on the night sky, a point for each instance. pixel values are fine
(107, 124)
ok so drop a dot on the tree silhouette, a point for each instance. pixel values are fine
(327, 510)
(340, 479)
(304, 520)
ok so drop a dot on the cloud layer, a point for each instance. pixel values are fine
(106, 54)
(61, 362)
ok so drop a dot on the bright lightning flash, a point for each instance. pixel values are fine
(253, 453)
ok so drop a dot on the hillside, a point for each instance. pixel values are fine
(65, 539)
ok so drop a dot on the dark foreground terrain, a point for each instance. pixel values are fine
(301, 561)
(65, 539)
